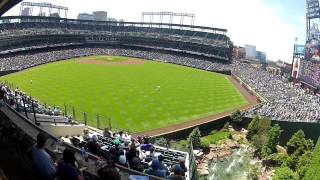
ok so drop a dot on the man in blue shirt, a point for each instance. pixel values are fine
(42, 159)
(155, 171)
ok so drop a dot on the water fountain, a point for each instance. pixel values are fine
(234, 168)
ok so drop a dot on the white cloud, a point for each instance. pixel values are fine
(247, 21)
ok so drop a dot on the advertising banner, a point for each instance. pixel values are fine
(295, 67)
(299, 49)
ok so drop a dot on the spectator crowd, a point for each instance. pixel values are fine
(285, 101)
(27, 60)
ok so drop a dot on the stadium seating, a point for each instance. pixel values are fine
(210, 42)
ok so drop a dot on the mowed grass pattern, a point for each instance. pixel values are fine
(135, 97)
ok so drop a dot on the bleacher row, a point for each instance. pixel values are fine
(170, 157)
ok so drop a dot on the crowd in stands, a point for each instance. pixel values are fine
(137, 154)
(47, 167)
(22, 102)
(285, 100)
(19, 62)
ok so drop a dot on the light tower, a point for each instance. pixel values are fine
(44, 8)
(313, 12)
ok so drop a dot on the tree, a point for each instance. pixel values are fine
(258, 141)
(253, 127)
(303, 164)
(273, 137)
(195, 138)
(298, 144)
(296, 147)
(264, 126)
(276, 159)
(314, 166)
(237, 117)
(284, 173)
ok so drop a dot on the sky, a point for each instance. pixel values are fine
(270, 25)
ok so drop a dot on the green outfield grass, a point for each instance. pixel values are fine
(137, 97)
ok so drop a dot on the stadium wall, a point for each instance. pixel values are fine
(3, 73)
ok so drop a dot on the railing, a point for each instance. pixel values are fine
(193, 173)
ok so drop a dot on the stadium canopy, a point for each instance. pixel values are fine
(5, 5)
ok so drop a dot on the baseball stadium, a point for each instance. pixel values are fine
(90, 98)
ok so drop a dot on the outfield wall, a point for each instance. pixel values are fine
(3, 73)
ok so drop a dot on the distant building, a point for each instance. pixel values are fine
(251, 51)
(239, 53)
(261, 56)
(26, 12)
(100, 16)
(85, 16)
(55, 15)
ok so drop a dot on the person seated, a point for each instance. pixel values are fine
(107, 132)
(67, 169)
(125, 145)
(135, 142)
(146, 146)
(176, 169)
(123, 160)
(109, 172)
(183, 167)
(116, 135)
(162, 166)
(42, 160)
(125, 137)
(151, 155)
(48, 111)
(86, 136)
(94, 146)
(136, 164)
(133, 152)
(114, 154)
(70, 121)
(155, 171)
(56, 111)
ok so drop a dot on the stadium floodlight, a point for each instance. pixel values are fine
(313, 12)
(162, 15)
(42, 7)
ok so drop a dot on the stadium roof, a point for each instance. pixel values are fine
(5, 5)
